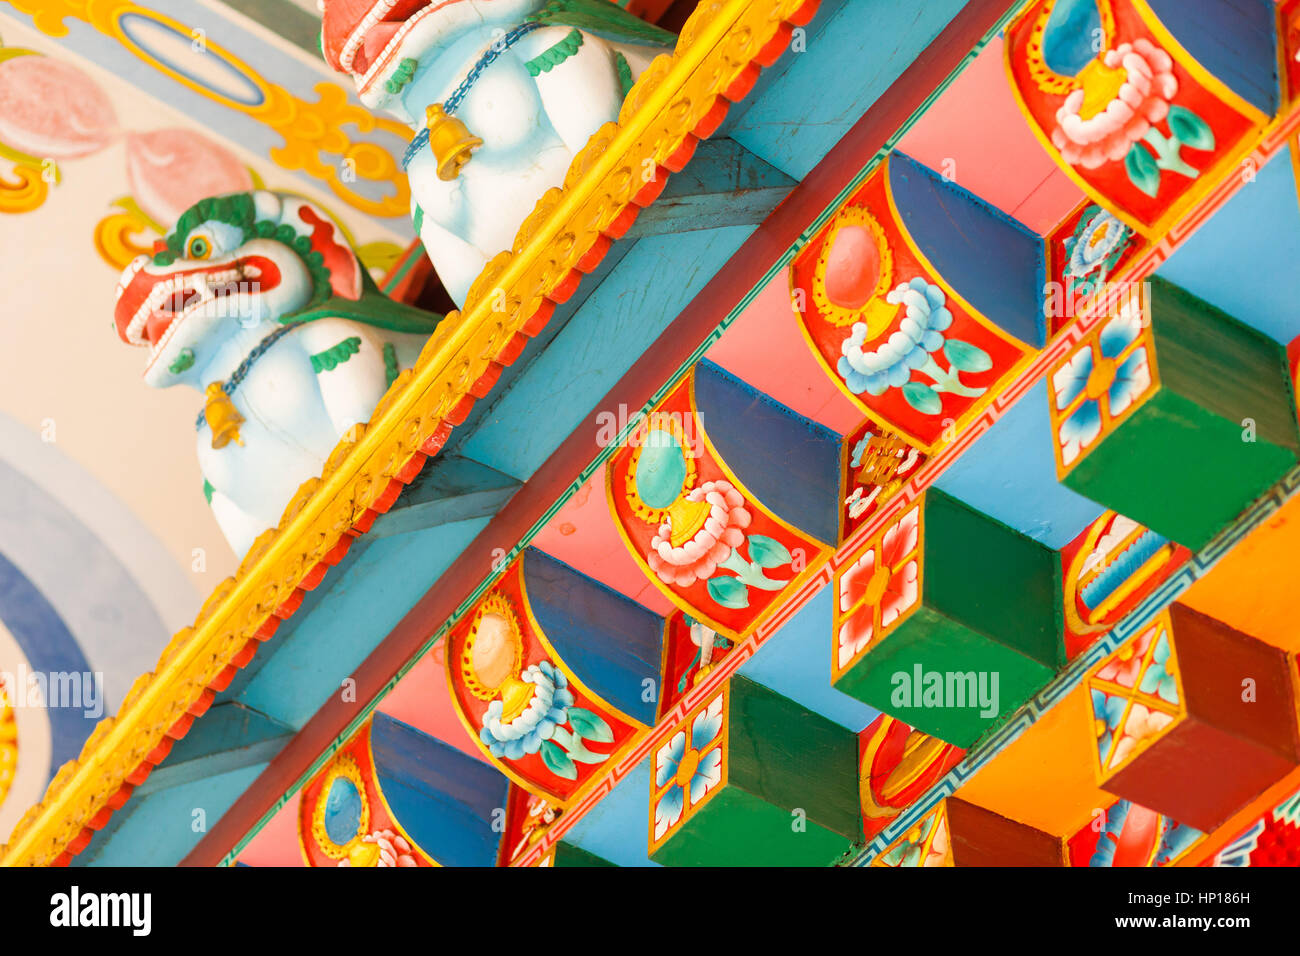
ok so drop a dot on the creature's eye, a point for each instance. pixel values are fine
(199, 247)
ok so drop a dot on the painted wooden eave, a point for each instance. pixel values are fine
(679, 100)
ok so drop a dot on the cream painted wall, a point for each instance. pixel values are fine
(66, 377)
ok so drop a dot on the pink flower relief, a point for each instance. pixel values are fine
(879, 591)
(1123, 668)
(1090, 133)
(393, 850)
(1142, 724)
(723, 531)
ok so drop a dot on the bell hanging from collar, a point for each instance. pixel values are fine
(451, 141)
(222, 416)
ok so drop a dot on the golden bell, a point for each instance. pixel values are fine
(451, 141)
(222, 417)
(687, 517)
(515, 696)
(364, 854)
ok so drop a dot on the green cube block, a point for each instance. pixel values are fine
(788, 794)
(1213, 429)
(978, 634)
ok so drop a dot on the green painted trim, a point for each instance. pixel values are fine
(625, 79)
(412, 257)
(207, 491)
(390, 365)
(335, 355)
(547, 60)
(402, 75)
(778, 267)
(183, 361)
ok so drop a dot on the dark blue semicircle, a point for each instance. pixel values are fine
(445, 800)
(791, 464)
(49, 648)
(612, 643)
(1236, 42)
(992, 261)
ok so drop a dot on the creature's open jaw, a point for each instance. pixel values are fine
(372, 43)
(151, 305)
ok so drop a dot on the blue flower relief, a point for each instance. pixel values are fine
(1159, 679)
(546, 710)
(1108, 710)
(684, 770)
(911, 348)
(1097, 244)
(1122, 384)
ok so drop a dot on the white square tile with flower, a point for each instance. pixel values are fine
(1136, 697)
(877, 589)
(1107, 377)
(689, 768)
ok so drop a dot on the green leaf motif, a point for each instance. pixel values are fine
(729, 592)
(967, 357)
(590, 726)
(923, 398)
(1142, 170)
(1190, 129)
(767, 552)
(557, 761)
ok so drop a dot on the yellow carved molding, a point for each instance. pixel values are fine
(676, 94)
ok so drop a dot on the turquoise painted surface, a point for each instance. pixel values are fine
(873, 40)
(339, 633)
(796, 663)
(620, 320)
(1010, 474)
(158, 830)
(617, 828)
(1257, 234)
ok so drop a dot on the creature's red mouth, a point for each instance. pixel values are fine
(148, 303)
(372, 42)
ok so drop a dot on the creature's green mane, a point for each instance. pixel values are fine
(372, 308)
(604, 19)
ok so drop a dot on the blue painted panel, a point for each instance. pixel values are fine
(612, 643)
(95, 592)
(50, 650)
(617, 828)
(1010, 475)
(796, 115)
(790, 463)
(994, 262)
(1233, 39)
(1246, 259)
(796, 663)
(158, 830)
(332, 639)
(620, 320)
(443, 798)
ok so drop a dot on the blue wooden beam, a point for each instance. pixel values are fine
(449, 489)
(723, 185)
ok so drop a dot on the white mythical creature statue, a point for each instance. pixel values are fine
(257, 300)
(502, 94)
